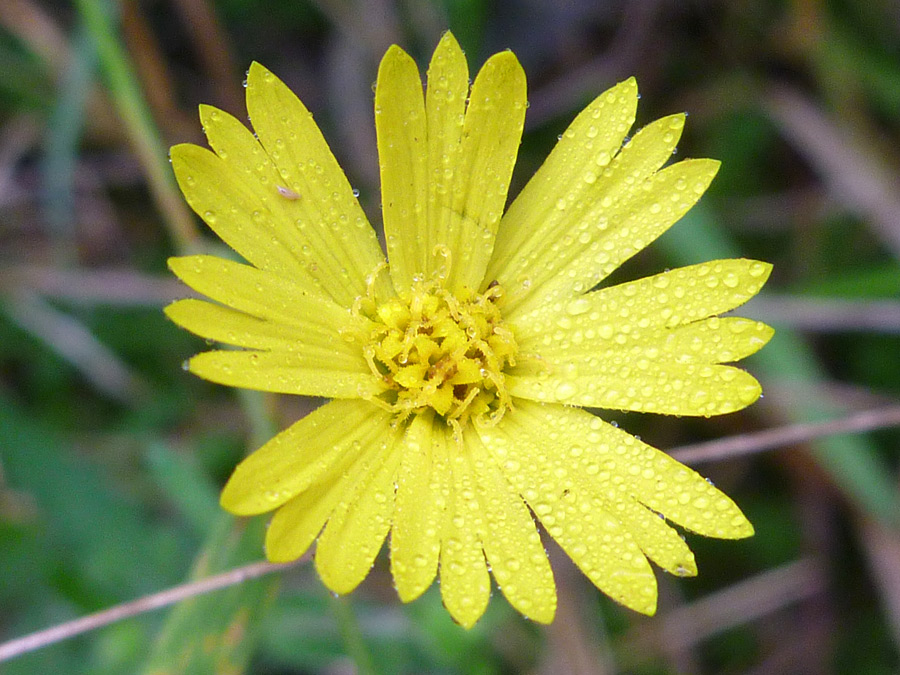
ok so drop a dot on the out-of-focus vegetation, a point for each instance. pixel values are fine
(111, 456)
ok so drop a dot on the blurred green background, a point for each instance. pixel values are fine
(111, 457)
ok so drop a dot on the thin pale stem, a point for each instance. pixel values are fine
(760, 441)
(828, 315)
(736, 605)
(31, 642)
(742, 444)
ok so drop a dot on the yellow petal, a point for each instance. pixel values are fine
(297, 524)
(306, 373)
(665, 388)
(570, 173)
(301, 454)
(401, 130)
(712, 340)
(659, 542)
(670, 299)
(627, 206)
(491, 134)
(320, 201)
(465, 583)
(531, 458)
(232, 327)
(243, 212)
(445, 109)
(594, 248)
(610, 456)
(511, 542)
(260, 293)
(415, 537)
(359, 523)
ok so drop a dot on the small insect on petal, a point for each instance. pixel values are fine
(287, 193)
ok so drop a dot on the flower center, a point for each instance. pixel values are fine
(433, 349)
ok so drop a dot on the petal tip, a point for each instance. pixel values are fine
(177, 151)
(506, 62)
(743, 529)
(255, 70)
(627, 89)
(464, 618)
(277, 552)
(396, 65)
(395, 53)
(643, 600)
(543, 616)
(448, 41)
(178, 265)
(766, 333)
(259, 77)
(210, 115)
(687, 568)
(408, 593)
(237, 499)
(760, 270)
(335, 580)
(173, 310)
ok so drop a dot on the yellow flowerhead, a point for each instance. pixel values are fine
(457, 365)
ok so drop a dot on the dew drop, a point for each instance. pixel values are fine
(578, 306)
(565, 390)
(757, 269)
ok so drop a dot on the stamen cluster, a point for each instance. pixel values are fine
(433, 349)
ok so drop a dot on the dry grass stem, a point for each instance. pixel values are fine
(760, 441)
(71, 340)
(828, 315)
(852, 174)
(64, 631)
(118, 287)
(733, 606)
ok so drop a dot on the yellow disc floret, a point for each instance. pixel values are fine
(430, 348)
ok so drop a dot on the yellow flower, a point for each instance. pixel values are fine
(456, 368)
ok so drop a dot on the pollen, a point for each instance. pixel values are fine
(430, 348)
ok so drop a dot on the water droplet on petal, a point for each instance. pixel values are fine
(565, 390)
(578, 306)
